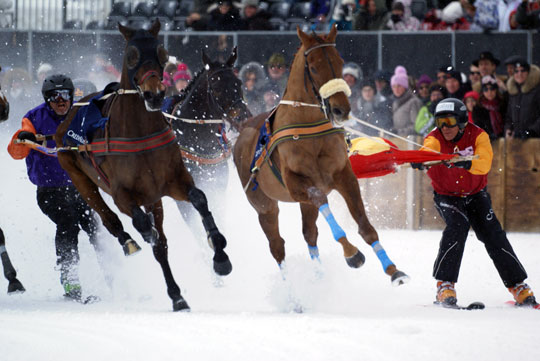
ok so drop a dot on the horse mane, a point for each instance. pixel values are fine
(183, 94)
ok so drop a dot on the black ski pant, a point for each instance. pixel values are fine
(65, 207)
(461, 213)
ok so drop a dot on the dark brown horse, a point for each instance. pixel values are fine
(304, 156)
(9, 271)
(139, 160)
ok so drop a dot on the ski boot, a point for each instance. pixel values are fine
(523, 295)
(446, 294)
(73, 291)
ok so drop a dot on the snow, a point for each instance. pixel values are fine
(348, 314)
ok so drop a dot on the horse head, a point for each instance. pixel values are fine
(144, 60)
(225, 89)
(4, 105)
(323, 68)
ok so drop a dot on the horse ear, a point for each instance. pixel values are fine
(126, 32)
(303, 36)
(156, 26)
(205, 59)
(232, 58)
(332, 34)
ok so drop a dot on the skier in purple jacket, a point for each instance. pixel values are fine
(56, 196)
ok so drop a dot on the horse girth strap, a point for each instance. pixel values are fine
(294, 132)
(126, 146)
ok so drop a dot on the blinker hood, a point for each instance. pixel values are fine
(147, 47)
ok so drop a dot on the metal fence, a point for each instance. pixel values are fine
(422, 52)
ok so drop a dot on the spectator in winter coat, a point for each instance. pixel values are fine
(493, 101)
(198, 18)
(486, 17)
(487, 64)
(422, 88)
(370, 15)
(369, 111)
(471, 102)
(528, 15)
(353, 76)
(384, 95)
(343, 15)
(254, 18)
(277, 71)
(399, 19)
(405, 105)
(425, 121)
(523, 116)
(320, 9)
(252, 77)
(454, 86)
(225, 18)
(56, 196)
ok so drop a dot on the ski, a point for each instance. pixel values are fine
(470, 307)
(535, 306)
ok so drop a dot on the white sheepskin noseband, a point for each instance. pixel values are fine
(334, 86)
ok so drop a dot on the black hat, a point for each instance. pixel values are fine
(368, 82)
(521, 62)
(512, 59)
(383, 75)
(454, 74)
(486, 55)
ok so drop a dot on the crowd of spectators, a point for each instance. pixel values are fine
(398, 15)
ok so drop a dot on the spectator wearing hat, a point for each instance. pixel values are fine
(422, 88)
(425, 120)
(471, 101)
(528, 15)
(320, 9)
(523, 116)
(405, 105)
(487, 65)
(276, 69)
(43, 71)
(400, 18)
(495, 103)
(343, 14)
(454, 85)
(225, 17)
(254, 18)
(474, 74)
(441, 75)
(352, 74)
(510, 64)
(181, 77)
(369, 111)
(168, 73)
(252, 77)
(370, 15)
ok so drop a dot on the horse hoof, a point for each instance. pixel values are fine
(130, 247)
(15, 286)
(223, 268)
(399, 278)
(356, 261)
(180, 305)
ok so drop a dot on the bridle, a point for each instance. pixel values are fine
(212, 97)
(324, 91)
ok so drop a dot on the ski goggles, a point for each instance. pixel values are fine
(449, 122)
(56, 95)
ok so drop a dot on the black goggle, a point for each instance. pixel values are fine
(449, 122)
(56, 95)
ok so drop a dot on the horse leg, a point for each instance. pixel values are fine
(349, 189)
(151, 223)
(309, 228)
(9, 271)
(90, 193)
(222, 265)
(302, 189)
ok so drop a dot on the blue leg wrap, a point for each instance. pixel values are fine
(337, 231)
(313, 252)
(381, 254)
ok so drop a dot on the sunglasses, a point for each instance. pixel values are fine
(520, 71)
(276, 66)
(58, 95)
(486, 88)
(474, 73)
(449, 122)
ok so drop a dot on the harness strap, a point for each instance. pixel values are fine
(147, 75)
(294, 132)
(106, 96)
(296, 104)
(194, 121)
(116, 146)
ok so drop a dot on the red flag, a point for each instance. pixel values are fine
(375, 157)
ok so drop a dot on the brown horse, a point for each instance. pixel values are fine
(304, 156)
(139, 160)
(4, 105)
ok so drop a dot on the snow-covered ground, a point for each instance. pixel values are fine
(348, 314)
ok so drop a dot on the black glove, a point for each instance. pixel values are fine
(419, 166)
(24, 135)
(465, 164)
